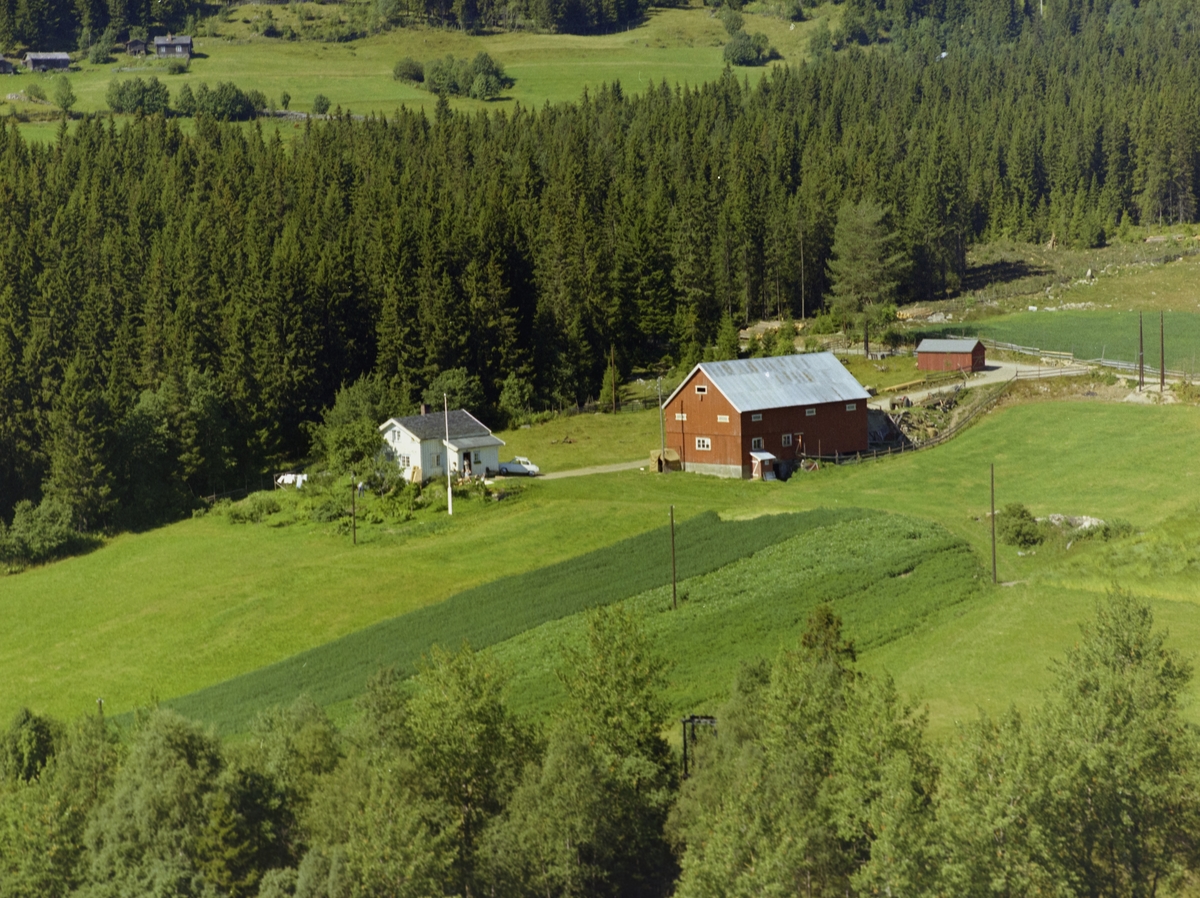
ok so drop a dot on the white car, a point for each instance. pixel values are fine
(519, 465)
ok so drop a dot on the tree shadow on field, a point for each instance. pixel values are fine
(1003, 271)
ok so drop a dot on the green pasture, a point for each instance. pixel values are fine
(885, 575)
(678, 45)
(580, 441)
(1108, 333)
(197, 603)
(496, 611)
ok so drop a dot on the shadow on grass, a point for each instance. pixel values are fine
(1003, 271)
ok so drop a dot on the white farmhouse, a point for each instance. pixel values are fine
(420, 447)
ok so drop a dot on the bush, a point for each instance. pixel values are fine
(177, 67)
(320, 104)
(1116, 529)
(38, 533)
(225, 102)
(36, 92)
(481, 78)
(285, 100)
(253, 509)
(101, 51)
(731, 19)
(408, 69)
(745, 50)
(1017, 527)
(135, 95)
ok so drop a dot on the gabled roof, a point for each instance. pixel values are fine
(947, 346)
(58, 56)
(181, 41)
(751, 385)
(433, 425)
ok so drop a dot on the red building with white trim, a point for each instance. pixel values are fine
(741, 418)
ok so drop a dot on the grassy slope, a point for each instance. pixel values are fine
(496, 611)
(195, 603)
(594, 439)
(678, 45)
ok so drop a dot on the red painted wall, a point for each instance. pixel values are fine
(953, 361)
(832, 429)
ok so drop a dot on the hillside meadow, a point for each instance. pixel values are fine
(677, 45)
(171, 611)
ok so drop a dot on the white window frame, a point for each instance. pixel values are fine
(681, 416)
(476, 458)
(810, 413)
(787, 439)
(851, 406)
(756, 444)
(757, 417)
(722, 419)
(405, 461)
(701, 389)
(703, 444)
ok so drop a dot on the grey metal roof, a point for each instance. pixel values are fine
(463, 444)
(59, 56)
(433, 425)
(781, 381)
(947, 346)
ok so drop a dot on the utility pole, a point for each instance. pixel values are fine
(674, 600)
(354, 511)
(662, 431)
(801, 272)
(993, 524)
(1141, 354)
(449, 488)
(1162, 354)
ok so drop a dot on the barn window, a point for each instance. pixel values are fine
(704, 444)
(722, 419)
(756, 443)
(680, 416)
(701, 389)
(476, 459)
(851, 406)
(437, 461)
(787, 439)
(810, 412)
(405, 461)
(756, 417)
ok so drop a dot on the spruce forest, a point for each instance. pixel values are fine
(178, 308)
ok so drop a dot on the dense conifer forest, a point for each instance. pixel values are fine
(177, 308)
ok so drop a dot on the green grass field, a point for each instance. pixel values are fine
(190, 605)
(1108, 333)
(579, 441)
(681, 45)
(496, 611)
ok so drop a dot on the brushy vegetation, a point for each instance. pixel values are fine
(497, 611)
(479, 78)
(135, 95)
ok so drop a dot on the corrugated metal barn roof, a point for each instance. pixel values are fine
(947, 346)
(781, 381)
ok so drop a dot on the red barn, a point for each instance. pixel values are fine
(950, 355)
(738, 419)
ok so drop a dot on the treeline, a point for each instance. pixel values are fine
(177, 308)
(818, 779)
(75, 24)
(572, 16)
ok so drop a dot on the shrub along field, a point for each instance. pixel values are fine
(183, 607)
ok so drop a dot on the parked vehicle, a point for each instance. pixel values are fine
(519, 465)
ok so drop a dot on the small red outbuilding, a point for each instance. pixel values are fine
(951, 355)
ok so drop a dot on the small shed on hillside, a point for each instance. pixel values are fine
(6, 67)
(47, 62)
(951, 355)
(179, 47)
(135, 47)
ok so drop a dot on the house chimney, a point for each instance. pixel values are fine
(424, 409)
